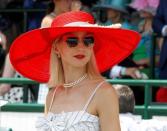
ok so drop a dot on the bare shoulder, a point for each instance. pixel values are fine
(51, 92)
(107, 108)
(106, 91)
(49, 96)
(106, 96)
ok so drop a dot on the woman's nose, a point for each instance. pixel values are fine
(81, 44)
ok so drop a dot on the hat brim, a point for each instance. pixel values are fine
(104, 6)
(30, 53)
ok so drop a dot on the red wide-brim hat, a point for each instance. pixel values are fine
(30, 52)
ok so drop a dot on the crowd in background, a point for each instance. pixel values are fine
(137, 15)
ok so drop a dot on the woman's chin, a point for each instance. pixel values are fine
(79, 64)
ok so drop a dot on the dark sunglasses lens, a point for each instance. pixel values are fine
(72, 41)
(88, 41)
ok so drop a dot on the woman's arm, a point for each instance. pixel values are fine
(7, 72)
(108, 108)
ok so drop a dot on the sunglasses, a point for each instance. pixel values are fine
(73, 41)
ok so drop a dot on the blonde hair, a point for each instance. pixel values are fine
(92, 68)
(57, 72)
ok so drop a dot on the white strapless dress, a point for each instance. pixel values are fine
(69, 121)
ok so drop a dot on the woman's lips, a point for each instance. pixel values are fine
(79, 56)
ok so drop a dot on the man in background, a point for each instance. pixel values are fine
(129, 121)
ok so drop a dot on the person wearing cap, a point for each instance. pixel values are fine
(116, 11)
(69, 56)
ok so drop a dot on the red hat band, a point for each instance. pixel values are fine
(71, 17)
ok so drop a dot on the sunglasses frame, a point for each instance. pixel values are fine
(73, 41)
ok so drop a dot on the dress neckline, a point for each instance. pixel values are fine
(68, 112)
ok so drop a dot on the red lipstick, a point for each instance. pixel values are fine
(79, 56)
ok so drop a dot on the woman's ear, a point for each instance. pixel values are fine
(56, 50)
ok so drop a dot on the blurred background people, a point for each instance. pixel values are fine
(126, 98)
(11, 22)
(3, 42)
(55, 8)
(142, 55)
(34, 18)
(116, 12)
(15, 94)
(160, 27)
(129, 121)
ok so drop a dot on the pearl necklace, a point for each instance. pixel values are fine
(75, 82)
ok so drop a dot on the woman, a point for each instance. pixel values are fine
(56, 7)
(79, 98)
